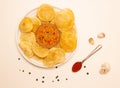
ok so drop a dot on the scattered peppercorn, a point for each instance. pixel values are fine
(87, 73)
(58, 80)
(36, 79)
(29, 73)
(66, 78)
(23, 71)
(56, 77)
(56, 67)
(43, 81)
(43, 77)
(18, 58)
(84, 66)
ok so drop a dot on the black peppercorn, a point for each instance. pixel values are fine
(58, 80)
(36, 79)
(87, 73)
(56, 77)
(18, 58)
(43, 77)
(56, 67)
(29, 73)
(42, 81)
(84, 66)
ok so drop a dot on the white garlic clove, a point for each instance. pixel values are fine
(105, 68)
(101, 35)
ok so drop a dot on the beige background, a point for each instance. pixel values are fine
(91, 17)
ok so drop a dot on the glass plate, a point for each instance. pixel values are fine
(35, 61)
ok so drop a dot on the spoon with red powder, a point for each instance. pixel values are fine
(78, 65)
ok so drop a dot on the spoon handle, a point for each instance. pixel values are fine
(93, 52)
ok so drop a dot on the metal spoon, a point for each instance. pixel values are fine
(78, 65)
